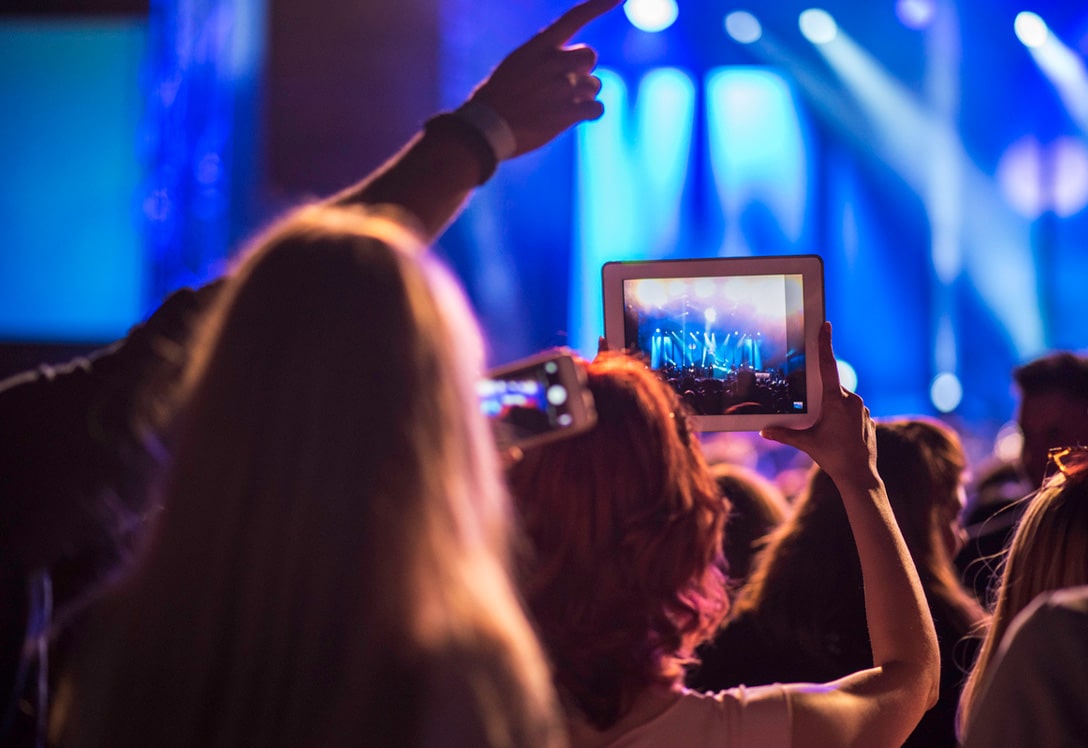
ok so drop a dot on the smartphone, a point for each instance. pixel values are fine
(537, 399)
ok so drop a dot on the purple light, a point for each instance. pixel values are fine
(916, 14)
(1020, 175)
(1035, 177)
(1070, 167)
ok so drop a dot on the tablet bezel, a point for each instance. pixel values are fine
(809, 267)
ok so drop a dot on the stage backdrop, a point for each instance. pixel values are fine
(934, 159)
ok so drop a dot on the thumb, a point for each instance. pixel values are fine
(789, 437)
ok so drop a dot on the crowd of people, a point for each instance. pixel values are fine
(238, 527)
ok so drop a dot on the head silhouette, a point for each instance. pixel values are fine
(332, 541)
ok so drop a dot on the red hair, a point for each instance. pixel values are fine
(625, 522)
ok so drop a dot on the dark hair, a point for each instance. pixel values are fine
(625, 521)
(756, 508)
(799, 599)
(1060, 371)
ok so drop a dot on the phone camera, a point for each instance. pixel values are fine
(557, 394)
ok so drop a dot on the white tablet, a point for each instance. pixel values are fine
(736, 337)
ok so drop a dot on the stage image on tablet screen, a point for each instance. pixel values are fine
(734, 344)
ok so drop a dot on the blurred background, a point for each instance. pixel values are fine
(933, 153)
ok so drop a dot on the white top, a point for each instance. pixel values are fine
(1037, 690)
(735, 718)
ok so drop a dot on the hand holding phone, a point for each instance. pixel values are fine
(537, 399)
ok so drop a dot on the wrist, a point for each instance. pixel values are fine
(451, 126)
(862, 480)
(491, 125)
(481, 130)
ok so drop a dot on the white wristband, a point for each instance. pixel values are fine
(492, 126)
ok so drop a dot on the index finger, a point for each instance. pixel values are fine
(567, 25)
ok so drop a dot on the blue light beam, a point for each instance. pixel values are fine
(993, 243)
(1062, 66)
(758, 153)
(630, 176)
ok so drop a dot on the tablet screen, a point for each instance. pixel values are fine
(733, 336)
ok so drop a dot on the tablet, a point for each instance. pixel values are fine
(736, 337)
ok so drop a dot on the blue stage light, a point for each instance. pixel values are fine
(1035, 178)
(651, 15)
(818, 26)
(1019, 175)
(848, 376)
(946, 392)
(1070, 174)
(916, 14)
(1062, 64)
(72, 263)
(743, 27)
(1031, 29)
(758, 148)
(632, 168)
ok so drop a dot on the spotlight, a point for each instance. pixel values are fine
(818, 26)
(1020, 177)
(651, 15)
(916, 14)
(1070, 176)
(1035, 177)
(848, 376)
(946, 392)
(1031, 29)
(743, 27)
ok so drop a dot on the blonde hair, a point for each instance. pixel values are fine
(1048, 551)
(335, 531)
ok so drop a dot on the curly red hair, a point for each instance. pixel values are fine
(625, 521)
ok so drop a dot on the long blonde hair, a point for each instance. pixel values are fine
(1048, 551)
(334, 530)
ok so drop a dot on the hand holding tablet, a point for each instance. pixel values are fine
(734, 336)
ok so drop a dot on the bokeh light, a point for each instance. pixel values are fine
(916, 14)
(743, 27)
(1030, 29)
(848, 377)
(946, 392)
(1008, 442)
(818, 26)
(651, 15)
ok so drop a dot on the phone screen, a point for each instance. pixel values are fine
(530, 402)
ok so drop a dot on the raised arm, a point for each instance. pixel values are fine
(882, 705)
(538, 91)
